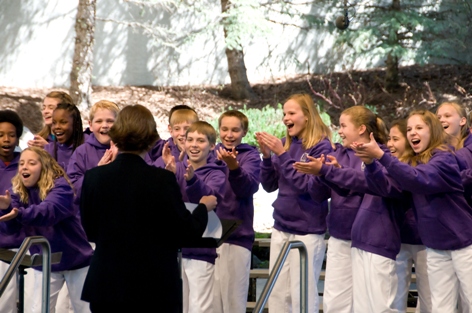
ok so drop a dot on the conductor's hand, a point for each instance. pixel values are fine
(209, 201)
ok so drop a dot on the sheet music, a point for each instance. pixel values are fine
(214, 228)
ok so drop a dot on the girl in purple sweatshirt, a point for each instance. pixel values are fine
(68, 132)
(40, 204)
(298, 213)
(444, 218)
(375, 238)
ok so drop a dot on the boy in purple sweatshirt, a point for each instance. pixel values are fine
(41, 202)
(96, 150)
(11, 128)
(198, 178)
(233, 264)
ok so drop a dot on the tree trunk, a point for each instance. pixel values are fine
(240, 87)
(392, 80)
(81, 73)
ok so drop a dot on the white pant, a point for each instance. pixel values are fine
(337, 295)
(232, 269)
(375, 282)
(197, 283)
(408, 255)
(285, 296)
(447, 270)
(75, 282)
(10, 295)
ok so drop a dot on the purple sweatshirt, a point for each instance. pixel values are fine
(238, 202)
(85, 157)
(156, 150)
(63, 155)
(56, 219)
(295, 210)
(208, 180)
(343, 208)
(13, 239)
(376, 226)
(443, 215)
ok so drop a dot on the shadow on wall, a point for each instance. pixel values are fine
(32, 32)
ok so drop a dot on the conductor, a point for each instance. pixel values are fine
(135, 214)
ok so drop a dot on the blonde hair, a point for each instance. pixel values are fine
(360, 115)
(203, 128)
(103, 104)
(50, 171)
(462, 113)
(438, 139)
(315, 130)
(237, 114)
(182, 115)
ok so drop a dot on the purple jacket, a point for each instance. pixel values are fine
(238, 197)
(443, 215)
(156, 150)
(56, 220)
(376, 226)
(295, 210)
(13, 239)
(208, 180)
(62, 154)
(85, 157)
(343, 208)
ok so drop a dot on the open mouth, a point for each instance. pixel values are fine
(415, 142)
(25, 175)
(289, 126)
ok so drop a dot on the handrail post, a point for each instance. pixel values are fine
(274, 274)
(46, 261)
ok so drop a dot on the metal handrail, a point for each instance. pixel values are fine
(274, 274)
(46, 261)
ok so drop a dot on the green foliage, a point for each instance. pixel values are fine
(416, 30)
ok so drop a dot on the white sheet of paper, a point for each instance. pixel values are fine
(214, 228)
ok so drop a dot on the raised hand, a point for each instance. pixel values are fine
(38, 141)
(313, 166)
(170, 166)
(166, 153)
(332, 161)
(367, 152)
(5, 200)
(9, 216)
(273, 143)
(189, 172)
(106, 158)
(229, 157)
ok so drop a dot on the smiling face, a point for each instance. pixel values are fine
(450, 120)
(294, 118)
(396, 142)
(418, 133)
(177, 132)
(62, 125)
(49, 104)
(29, 168)
(197, 147)
(8, 141)
(231, 131)
(102, 122)
(349, 132)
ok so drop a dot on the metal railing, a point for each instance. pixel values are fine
(46, 263)
(274, 274)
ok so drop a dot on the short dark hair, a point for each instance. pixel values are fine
(239, 115)
(203, 128)
(134, 129)
(9, 116)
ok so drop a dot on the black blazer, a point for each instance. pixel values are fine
(137, 218)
